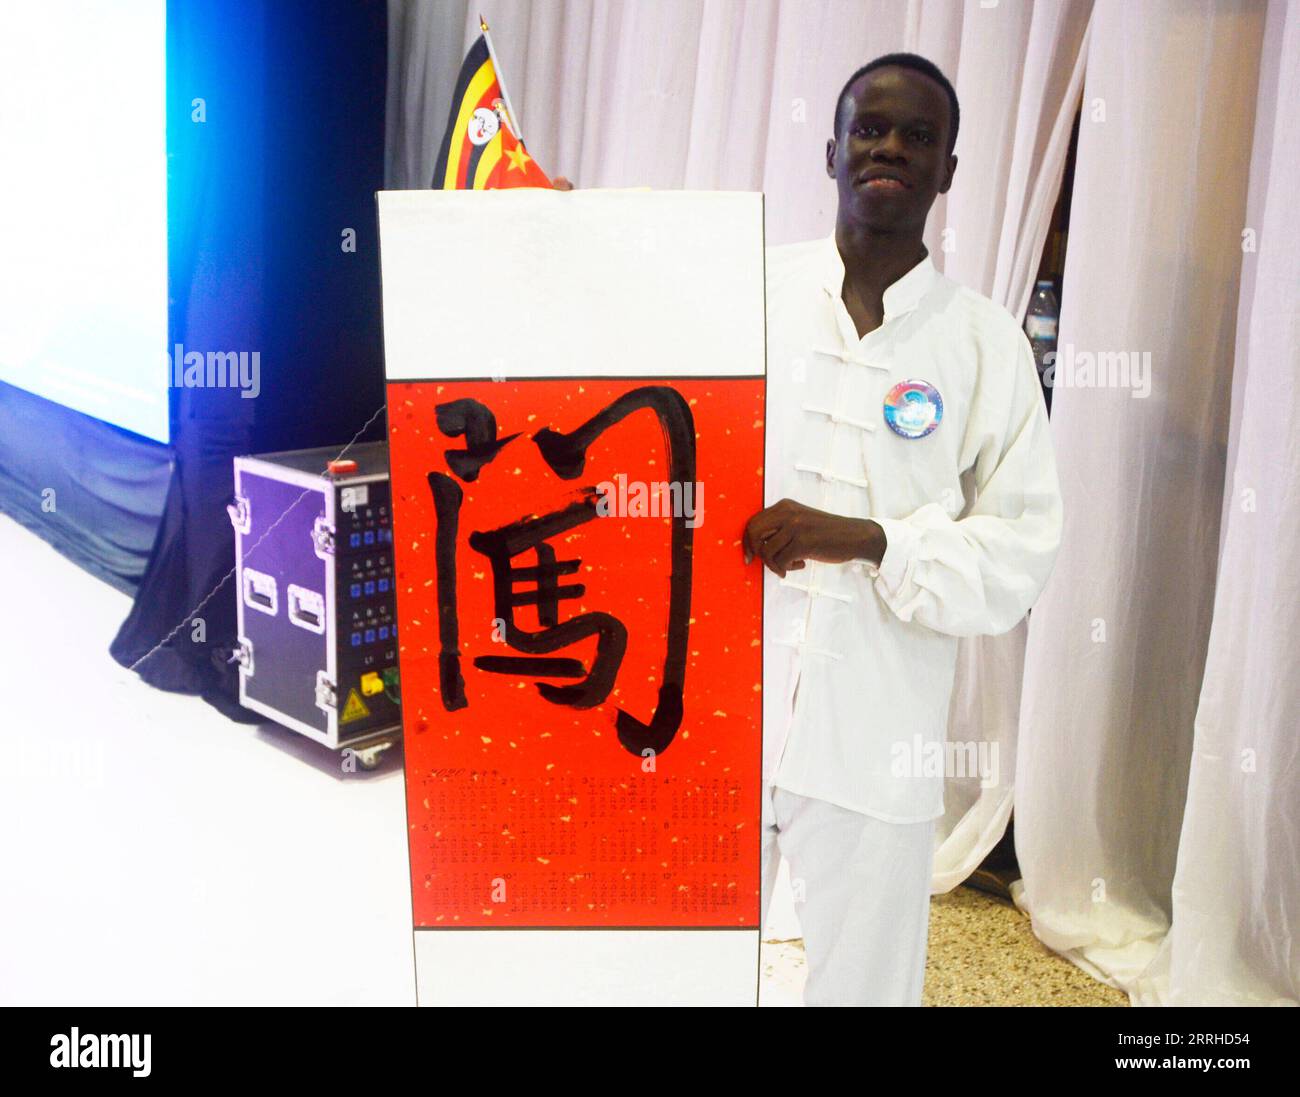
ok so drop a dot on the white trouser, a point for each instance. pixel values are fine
(862, 893)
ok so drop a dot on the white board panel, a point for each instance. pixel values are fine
(578, 284)
(641, 967)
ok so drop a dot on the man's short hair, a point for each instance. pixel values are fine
(916, 64)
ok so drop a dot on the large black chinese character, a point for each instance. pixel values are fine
(539, 585)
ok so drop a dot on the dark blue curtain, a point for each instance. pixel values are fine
(287, 157)
(92, 490)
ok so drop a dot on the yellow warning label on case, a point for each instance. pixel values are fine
(355, 709)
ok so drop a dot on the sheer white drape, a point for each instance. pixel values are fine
(718, 94)
(1018, 78)
(1115, 659)
(1236, 890)
(425, 49)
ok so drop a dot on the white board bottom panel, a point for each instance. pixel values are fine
(575, 967)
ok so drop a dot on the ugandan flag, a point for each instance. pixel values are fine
(481, 149)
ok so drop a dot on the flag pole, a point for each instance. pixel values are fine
(501, 78)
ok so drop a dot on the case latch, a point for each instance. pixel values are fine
(241, 515)
(327, 696)
(322, 536)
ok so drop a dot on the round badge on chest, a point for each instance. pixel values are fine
(913, 409)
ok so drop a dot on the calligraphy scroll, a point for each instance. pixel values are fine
(576, 436)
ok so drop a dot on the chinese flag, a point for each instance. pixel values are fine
(481, 149)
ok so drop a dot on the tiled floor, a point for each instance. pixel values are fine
(982, 953)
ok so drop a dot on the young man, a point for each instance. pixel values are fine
(912, 499)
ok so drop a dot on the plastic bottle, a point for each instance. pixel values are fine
(1040, 322)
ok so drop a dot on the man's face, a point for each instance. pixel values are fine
(890, 157)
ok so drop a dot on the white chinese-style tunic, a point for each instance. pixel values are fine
(859, 661)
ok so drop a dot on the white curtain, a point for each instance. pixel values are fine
(1114, 663)
(718, 94)
(1019, 74)
(1236, 890)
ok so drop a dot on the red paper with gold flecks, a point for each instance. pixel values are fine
(526, 813)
